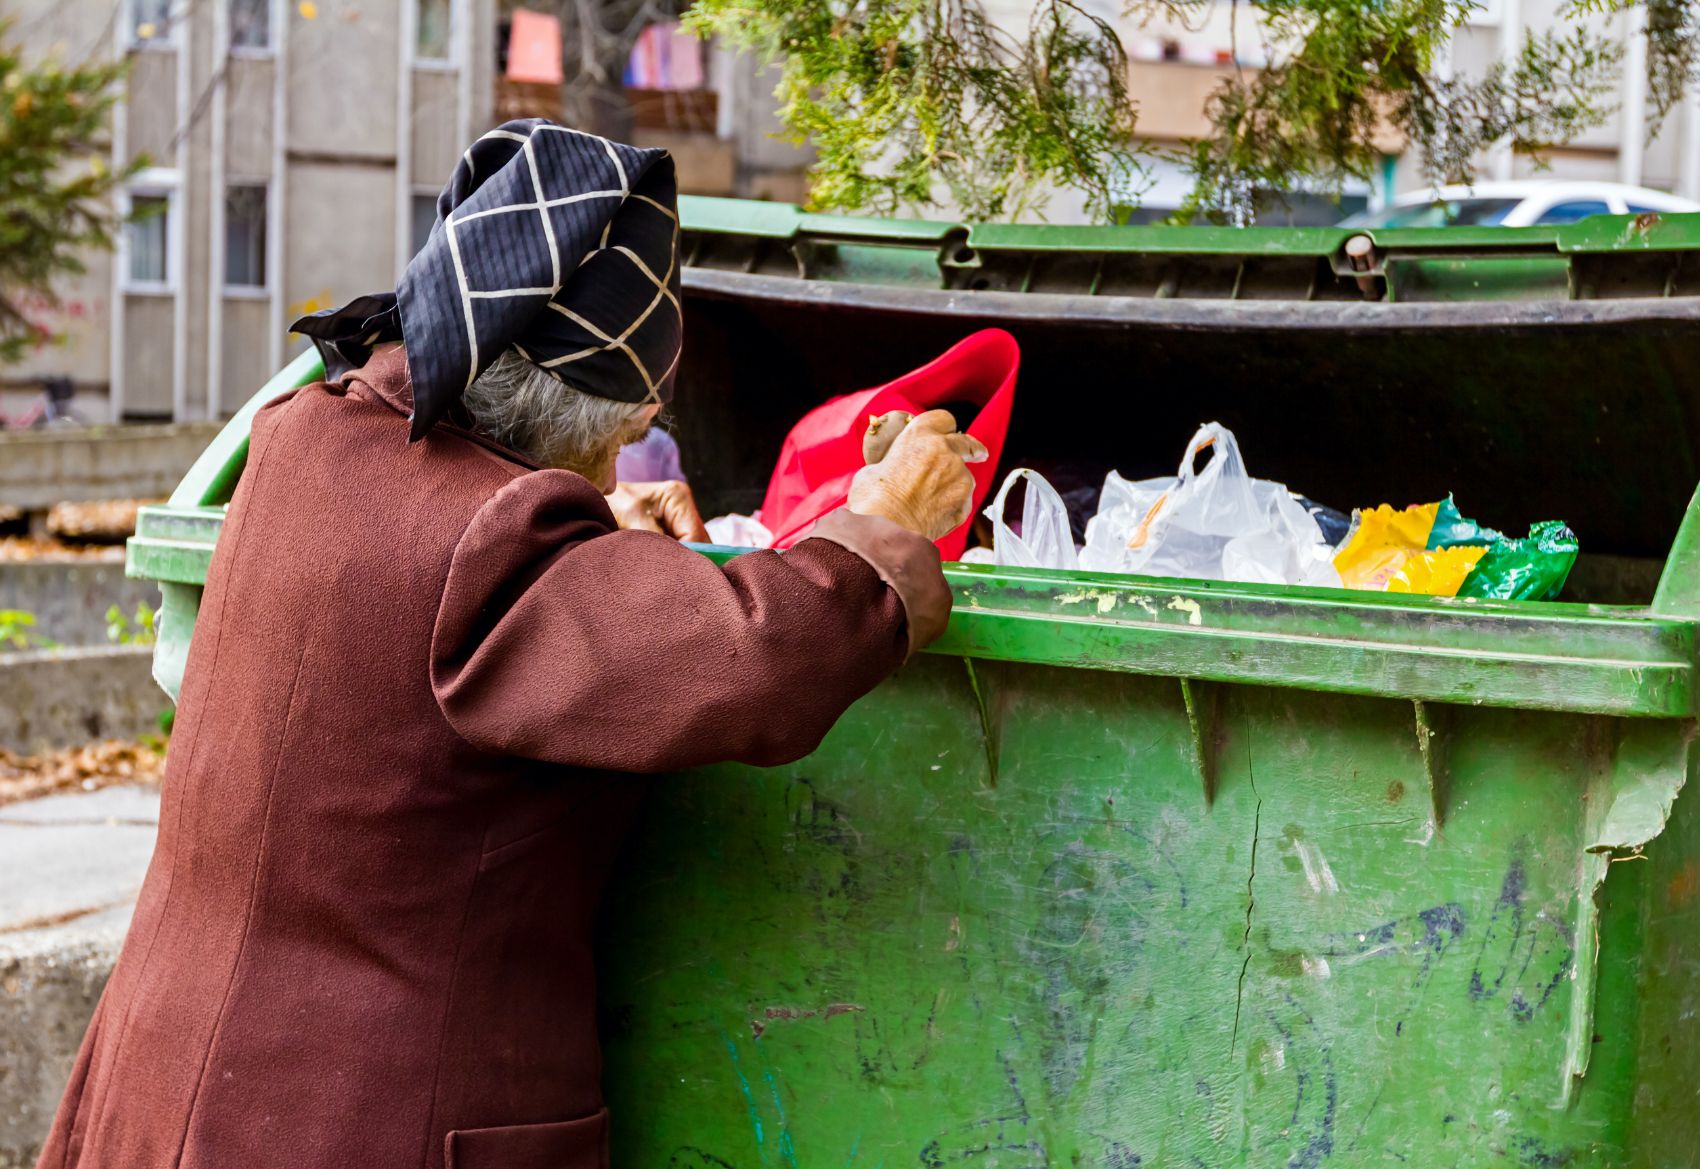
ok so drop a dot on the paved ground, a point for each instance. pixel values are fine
(70, 867)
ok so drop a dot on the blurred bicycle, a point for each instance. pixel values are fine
(51, 409)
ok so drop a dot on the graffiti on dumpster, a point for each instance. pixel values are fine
(1092, 933)
(1316, 1092)
(1529, 951)
(1429, 933)
(1523, 957)
(1077, 946)
(992, 1135)
(691, 1157)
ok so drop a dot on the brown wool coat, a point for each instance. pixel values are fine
(395, 791)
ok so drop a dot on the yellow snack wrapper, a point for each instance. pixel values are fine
(1388, 551)
(1437, 573)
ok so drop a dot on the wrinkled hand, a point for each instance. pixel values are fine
(668, 508)
(917, 474)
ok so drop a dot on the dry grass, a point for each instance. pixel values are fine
(74, 531)
(78, 769)
(110, 521)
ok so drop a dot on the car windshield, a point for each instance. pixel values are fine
(1441, 213)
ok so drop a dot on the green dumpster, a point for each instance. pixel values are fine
(1146, 872)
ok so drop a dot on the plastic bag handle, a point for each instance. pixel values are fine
(1040, 494)
(994, 509)
(1209, 435)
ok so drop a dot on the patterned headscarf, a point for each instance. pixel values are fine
(560, 244)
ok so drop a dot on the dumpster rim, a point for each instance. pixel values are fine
(1180, 313)
(1492, 653)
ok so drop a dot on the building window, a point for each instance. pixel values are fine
(245, 236)
(251, 25)
(433, 31)
(150, 21)
(424, 218)
(147, 237)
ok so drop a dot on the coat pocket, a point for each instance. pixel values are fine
(570, 1144)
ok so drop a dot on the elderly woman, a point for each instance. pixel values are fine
(422, 675)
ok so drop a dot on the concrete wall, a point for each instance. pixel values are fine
(59, 698)
(1171, 96)
(39, 468)
(761, 154)
(69, 598)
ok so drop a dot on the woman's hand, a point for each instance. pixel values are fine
(917, 474)
(668, 508)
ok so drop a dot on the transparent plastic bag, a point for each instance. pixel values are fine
(1212, 524)
(1045, 540)
(738, 531)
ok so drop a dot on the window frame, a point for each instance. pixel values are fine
(418, 193)
(449, 61)
(152, 183)
(262, 291)
(160, 44)
(264, 52)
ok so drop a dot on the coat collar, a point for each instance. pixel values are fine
(386, 376)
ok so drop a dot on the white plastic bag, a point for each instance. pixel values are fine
(1045, 540)
(738, 531)
(1214, 524)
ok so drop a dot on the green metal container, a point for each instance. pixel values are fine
(1144, 872)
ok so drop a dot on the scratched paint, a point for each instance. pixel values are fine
(749, 1098)
(1314, 863)
(1087, 964)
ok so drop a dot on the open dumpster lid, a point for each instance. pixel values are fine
(1538, 373)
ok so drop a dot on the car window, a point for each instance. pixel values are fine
(1445, 213)
(1573, 211)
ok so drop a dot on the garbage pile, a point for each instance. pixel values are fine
(1209, 521)
(1219, 523)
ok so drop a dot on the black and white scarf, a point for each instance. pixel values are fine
(559, 244)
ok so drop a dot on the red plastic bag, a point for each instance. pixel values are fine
(824, 450)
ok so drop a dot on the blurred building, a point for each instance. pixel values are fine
(1175, 64)
(297, 148)
(713, 110)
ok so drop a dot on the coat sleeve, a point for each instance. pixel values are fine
(560, 638)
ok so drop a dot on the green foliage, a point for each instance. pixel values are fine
(139, 630)
(907, 101)
(157, 743)
(17, 632)
(1673, 48)
(54, 181)
(1359, 73)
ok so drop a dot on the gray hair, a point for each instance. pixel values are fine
(535, 413)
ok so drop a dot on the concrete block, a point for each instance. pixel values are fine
(59, 698)
(39, 468)
(69, 597)
(70, 868)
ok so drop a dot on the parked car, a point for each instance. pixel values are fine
(1517, 204)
